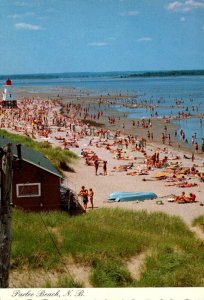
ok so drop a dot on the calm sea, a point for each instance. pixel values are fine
(161, 91)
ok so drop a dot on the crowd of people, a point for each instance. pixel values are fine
(40, 118)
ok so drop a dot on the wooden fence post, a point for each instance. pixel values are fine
(5, 215)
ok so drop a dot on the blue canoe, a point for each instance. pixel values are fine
(130, 196)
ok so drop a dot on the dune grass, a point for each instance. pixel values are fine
(63, 282)
(59, 157)
(199, 222)
(105, 239)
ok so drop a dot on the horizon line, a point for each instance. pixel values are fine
(94, 72)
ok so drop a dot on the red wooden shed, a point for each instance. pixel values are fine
(36, 183)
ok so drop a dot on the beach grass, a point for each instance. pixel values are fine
(59, 157)
(199, 222)
(63, 282)
(31, 245)
(106, 240)
(110, 272)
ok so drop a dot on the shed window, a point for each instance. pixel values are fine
(28, 190)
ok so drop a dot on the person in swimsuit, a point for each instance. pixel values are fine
(181, 198)
(104, 167)
(84, 195)
(96, 165)
(85, 199)
(191, 198)
(91, 194)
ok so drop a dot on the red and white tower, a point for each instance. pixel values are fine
(9, 98)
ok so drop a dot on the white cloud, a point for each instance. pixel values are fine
(185, 6)
(130, 13)
(195, 4)
(22, 3)
(97, 44)
(182, 19)
(203, 27)
(19, 16)
(174, 5)
(15, 16)
(145, 39)
(27, 26)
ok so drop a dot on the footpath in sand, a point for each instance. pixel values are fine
(72, 134)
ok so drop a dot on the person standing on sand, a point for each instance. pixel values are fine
(85, 199)
(104, 167)
(96, 165)
(196, 147)
(91, 194)
(84, 195)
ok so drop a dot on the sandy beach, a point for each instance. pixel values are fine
(62, 111)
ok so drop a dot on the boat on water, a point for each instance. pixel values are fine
(131, 196)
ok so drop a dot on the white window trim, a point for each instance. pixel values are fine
(27, 184)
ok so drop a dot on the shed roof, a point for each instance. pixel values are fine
(31, 156)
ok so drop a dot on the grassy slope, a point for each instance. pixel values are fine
(60, 158)
(105, 239)
(199, 222)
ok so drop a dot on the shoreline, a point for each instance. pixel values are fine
(157, 128)
(62, 129)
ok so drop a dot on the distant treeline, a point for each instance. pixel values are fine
(118, 74)
(166, 73)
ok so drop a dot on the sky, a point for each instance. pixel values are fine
(53, 36)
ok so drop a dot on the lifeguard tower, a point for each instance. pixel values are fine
(9, 98)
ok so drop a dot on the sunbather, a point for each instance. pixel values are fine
(181, 197)
(191, 198)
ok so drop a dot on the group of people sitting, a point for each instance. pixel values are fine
(184, 198)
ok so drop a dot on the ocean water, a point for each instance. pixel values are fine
(162, 91)
(192, 127)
